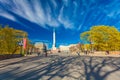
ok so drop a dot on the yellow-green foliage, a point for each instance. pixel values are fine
(9, 39)
(103, 37)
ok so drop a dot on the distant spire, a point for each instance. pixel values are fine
(54, 40)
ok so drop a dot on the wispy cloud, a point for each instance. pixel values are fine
(8, 16)
(72, 15)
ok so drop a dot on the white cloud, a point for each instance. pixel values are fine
(24, 10)
(50, 20)
(80, 26)
(54, 3)
(39, 14)
(8, 16)
(53, 16)
(36, 14)
(66, 22)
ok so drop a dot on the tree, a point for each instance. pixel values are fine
(103, 37)
(1, 41)
(9, 39)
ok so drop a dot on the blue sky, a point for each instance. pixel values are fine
(68, 17)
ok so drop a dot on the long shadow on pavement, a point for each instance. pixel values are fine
(99, 70)
(95, 68)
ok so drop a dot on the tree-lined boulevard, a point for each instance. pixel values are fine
(60, 67)
(86, 61)
(59, 39)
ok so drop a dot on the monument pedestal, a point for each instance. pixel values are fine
(55, 51)
(54, 48)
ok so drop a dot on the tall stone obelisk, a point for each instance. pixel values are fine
(54, 40)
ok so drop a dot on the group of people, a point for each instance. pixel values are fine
(85, 52)
(45, 52)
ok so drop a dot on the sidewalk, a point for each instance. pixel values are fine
(99, 54)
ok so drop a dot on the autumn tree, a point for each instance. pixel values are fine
(9, 39)
(102, 37)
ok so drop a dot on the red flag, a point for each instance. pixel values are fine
(24, 43)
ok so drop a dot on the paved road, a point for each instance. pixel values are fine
(56, 67)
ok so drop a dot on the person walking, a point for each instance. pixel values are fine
(78, 53)
(85, 51)
(45, 50)
(38, 53)
(107, 52)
